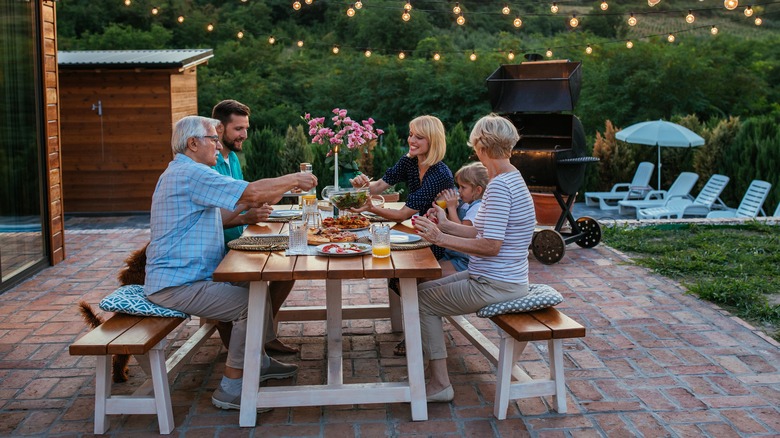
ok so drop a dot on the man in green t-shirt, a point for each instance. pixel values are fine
(234, 118)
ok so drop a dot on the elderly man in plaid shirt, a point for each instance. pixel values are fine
(187, 243)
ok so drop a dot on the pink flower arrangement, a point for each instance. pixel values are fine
(345, 132)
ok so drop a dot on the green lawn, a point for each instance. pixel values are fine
(736, 267)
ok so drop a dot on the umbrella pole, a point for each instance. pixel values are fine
(659, 166)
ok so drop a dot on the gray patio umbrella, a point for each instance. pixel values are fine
(660, 133)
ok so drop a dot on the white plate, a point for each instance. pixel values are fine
(401, 237)
(333, 248)
(291, 194)
(370, 215)
(285, 213)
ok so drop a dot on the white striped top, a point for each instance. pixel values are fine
(506, 214)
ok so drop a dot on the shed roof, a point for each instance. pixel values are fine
(129, 59)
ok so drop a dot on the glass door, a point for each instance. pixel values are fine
(22, 230)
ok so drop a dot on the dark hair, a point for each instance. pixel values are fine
(227, 108)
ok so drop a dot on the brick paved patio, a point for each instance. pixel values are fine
(656, 362)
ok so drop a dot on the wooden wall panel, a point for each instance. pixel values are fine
(184, 95)
(53, 136)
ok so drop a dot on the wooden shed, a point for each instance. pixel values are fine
(117, 110)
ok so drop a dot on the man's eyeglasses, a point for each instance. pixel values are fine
(214, 138)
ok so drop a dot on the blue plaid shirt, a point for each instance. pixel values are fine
(187, 242)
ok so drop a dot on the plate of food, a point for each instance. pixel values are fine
(401, 237)
(344, 249)
(319, 236)
(348, 222)
(285, 213)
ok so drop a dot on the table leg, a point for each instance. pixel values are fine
(258, 299)
(414, 357)
(396, 323)
(335, 347)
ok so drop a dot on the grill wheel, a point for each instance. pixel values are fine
(591, 231)
(548, 246)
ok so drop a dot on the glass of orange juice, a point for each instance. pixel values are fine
(380, 240)
(441, 203)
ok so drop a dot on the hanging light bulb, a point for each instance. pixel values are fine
(335, 50)
(473, 56)
(240, 34)
(308, 2)
(554, 8)
(652, 3)
(350, 11)
(155, 10)
(714, 30)
(180, 19)
(402, 55)
(511, 55)
(548, 53)
(456, 10)
(461, 20)
(505, 10)
(358, 4)
(758, 21)
(367, 53)
(670, 38)
(436, 56)
(629, 44)
(271, 40)
(296, 5)
(408, 6)
(574, 21)
(632, 20)
(690, 18)
(589, 49)
(128, 2)
(730, 4)
(300, 43)
(517, 22)
(406, 16)
(604, 6)
(209, 27)
(748, 11)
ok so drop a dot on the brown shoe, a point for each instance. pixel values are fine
(400, 348)
(278, 346)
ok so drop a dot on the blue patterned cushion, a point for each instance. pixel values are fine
(132, 299)
(540, 296)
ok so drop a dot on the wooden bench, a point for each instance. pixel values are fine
(146, 337)
(516, 330)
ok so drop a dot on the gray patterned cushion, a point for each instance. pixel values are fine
(132, 299)
(540, 296)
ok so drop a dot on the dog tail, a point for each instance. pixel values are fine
(89, 315)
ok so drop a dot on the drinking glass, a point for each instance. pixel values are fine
(297, 243)
(311, 212)
(380, 240)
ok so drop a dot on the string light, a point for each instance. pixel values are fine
(632, 20)
(714, 30)
(350, 11)
(548, 53)
(297, 5)
(401, 55)
(209, 27)
(604, 6)
(358, 4)
(128, 2)
(461, 20)
(517, 22)
(505, 10)
(730, 4)
(300, 43)
(554, 8)
(670, 38)
(690, 18)
(748, 11)
(456, 10)
(629, 44)
(308, 2)
(436, 56)
(240, 34)
(271, 40)
(652, 3)
(408, 6)
(511, 55)
(367, 53)
(335, 50)
(759, 21)
(589, 49)
(180, 19)
(473, 56)
(574, 22)
(406, 16)
(155, 10)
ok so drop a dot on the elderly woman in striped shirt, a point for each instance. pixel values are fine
(497, 245)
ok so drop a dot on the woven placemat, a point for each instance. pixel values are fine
(260, 243)
(401, 246)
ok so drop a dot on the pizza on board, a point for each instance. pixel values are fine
(351, 222)
(318, 236)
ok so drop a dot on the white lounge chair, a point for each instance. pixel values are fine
(708, 197)
(777, 211)
(681, 188)
(620, 191)
(751, 203)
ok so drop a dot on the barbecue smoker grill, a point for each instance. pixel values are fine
(550, 153)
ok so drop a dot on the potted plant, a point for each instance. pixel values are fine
(548, 211)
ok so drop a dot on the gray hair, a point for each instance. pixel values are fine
(496, 135)
(188, 127)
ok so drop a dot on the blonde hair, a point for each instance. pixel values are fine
(430, 128)
(496, 135)
(474, 174)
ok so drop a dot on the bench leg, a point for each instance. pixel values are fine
(162, 392)
(394, 302)
(506, 356)
(555, 347)
(102, 393)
